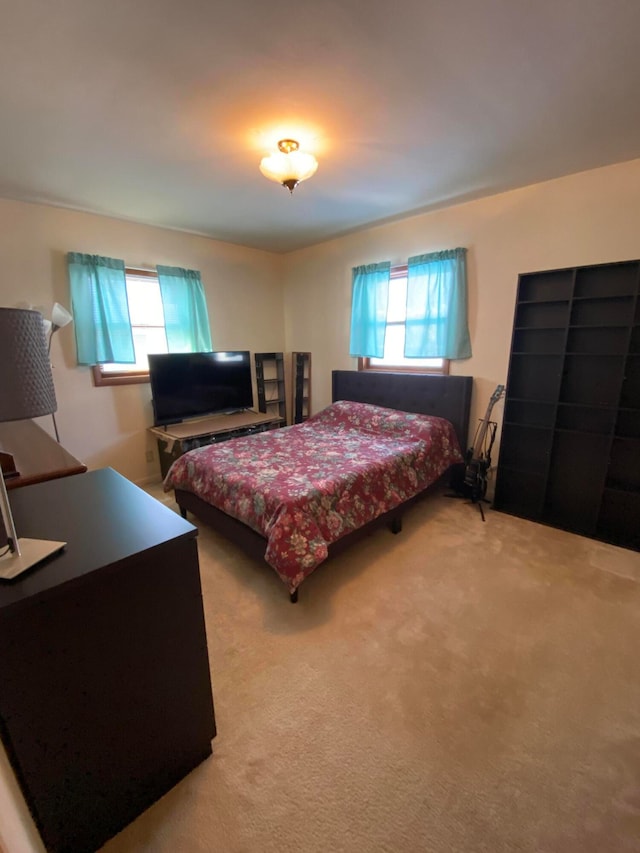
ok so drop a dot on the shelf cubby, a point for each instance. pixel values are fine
(551, 286)
(526, 448)
(528, 412)
(535, 377)
(591, 419)
(606, 280)
(539, 341)
(270, 383)
(612, 340)
(301, 366)
(521, 492)
(592, 380)
(552, 315)
(607, 311)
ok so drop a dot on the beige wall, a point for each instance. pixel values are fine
(18, 833)
(107, 426)
(588, 218)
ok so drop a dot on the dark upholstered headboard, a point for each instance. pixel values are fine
(445, 396)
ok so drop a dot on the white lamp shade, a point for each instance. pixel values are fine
(296, 166)
(60, 317)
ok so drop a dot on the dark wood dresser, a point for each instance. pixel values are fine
(105, 693)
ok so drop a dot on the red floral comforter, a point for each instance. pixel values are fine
(305, 486)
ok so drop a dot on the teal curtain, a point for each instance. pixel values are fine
(185, 310)
(437, 325)
(100, 309)
(369, 300)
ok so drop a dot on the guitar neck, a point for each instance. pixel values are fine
(480, 440)
(477, 451)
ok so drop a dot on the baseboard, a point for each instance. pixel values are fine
(151, 480)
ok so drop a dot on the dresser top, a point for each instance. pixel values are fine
(104, 519)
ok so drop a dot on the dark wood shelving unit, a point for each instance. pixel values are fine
(570, 446)
(270, 383)
(301, 364)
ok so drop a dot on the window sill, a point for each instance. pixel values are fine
(126, 377)
(363, 364)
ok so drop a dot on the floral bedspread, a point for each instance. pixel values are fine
(305, 486)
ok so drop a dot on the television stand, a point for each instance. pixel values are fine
(176, 439)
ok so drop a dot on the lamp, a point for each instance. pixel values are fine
(288, 166)
(27, 392)
(60, 318)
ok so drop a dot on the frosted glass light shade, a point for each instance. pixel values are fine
(288, 166)
(60, 317)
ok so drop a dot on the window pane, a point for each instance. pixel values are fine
(397, 308)
(121, 368)
(145, 340)
(148, 340)
(431, 363)
(394, 352)
(394, 337)
(147, 322)
(145, 302)
(393, 345)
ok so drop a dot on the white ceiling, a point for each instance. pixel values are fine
(159, 111)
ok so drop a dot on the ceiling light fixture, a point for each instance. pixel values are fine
(288, 166)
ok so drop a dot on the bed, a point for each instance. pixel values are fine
(293, 496)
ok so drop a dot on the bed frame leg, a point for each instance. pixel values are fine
(293, 596)
(396, 525)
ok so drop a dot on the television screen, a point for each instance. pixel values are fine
(192, 384)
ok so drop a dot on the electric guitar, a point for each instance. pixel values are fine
(478, 459)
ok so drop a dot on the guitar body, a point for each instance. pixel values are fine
(475, 478)
(478, 459)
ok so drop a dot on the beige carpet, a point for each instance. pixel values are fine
(459, 687)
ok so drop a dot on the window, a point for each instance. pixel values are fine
(148, 328)
(121, 315)
(393, 358)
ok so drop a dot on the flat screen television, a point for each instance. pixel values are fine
(193, 384)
